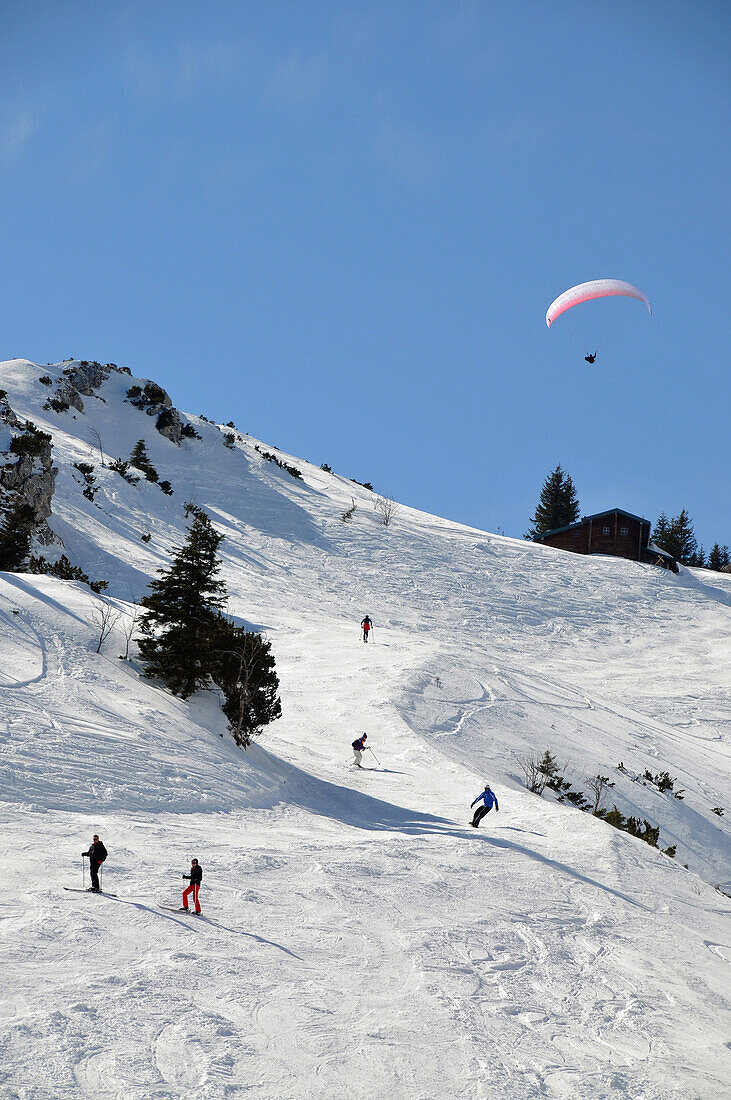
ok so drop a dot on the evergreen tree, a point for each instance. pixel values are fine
(698, 558)
(141, 460)
(714, 558)
(558, 506)
(182, 611)
(718, 557)
(661, 532)
(685, 541)
(680, 540)
(677, 538)
(16, 534)
(243, 667)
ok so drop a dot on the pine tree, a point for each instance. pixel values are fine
(558, 506)
(182, 611)
(243, 667)
(662, 532)
(677, 538)
(681, 541)
(699, 558)
(16, 534)
(684, 538)
(141, 460)
(718, 557)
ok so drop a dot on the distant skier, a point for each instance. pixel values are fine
(591, 358)
(359, 747)
(367, 627)
(489, 800)
(96, 855)
(196, 878)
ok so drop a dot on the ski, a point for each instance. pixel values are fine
(79, 890)
(180, 909)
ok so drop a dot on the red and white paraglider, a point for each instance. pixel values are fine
(585, 292)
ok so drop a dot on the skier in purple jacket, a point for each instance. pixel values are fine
(489, 800)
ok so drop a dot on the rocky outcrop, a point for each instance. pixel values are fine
(170, 425)
(7, 416)
(155, 401)
(28, 470)
(81, 379)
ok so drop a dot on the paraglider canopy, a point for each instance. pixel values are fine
(598, 288)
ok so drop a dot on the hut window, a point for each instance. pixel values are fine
(624, 531)
(606, 530)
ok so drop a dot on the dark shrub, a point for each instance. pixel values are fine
(29, 443)
(154, 393)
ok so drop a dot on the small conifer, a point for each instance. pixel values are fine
(141, 460)
(16, 533)
(558, 505)
(676, 537)
(181, 612)
(243, 667)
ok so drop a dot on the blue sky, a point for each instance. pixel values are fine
(340, 225)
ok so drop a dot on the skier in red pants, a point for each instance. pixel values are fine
(196, 878)
(367, 627)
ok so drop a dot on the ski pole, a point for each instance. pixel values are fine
(370, 750)
(83, 873)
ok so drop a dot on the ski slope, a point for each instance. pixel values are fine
(359, 939)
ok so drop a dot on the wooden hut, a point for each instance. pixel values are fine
(615, 532)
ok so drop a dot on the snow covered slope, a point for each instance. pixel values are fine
(359, 940)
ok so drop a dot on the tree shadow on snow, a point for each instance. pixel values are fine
(510, 845)
(350, 806)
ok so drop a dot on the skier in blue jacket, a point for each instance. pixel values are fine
(489, 800)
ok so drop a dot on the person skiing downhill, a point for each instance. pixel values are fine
(196, 878)
(96, 855)
(489, 800)
(367, 627)
(359, 747)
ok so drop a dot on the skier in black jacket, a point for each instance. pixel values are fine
(359, 747)
(96, 855)
(196, 878)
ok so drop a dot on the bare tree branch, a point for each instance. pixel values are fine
(387, 508)
(105, 616)
(598, 786)
(129, 627)
(97, 439)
